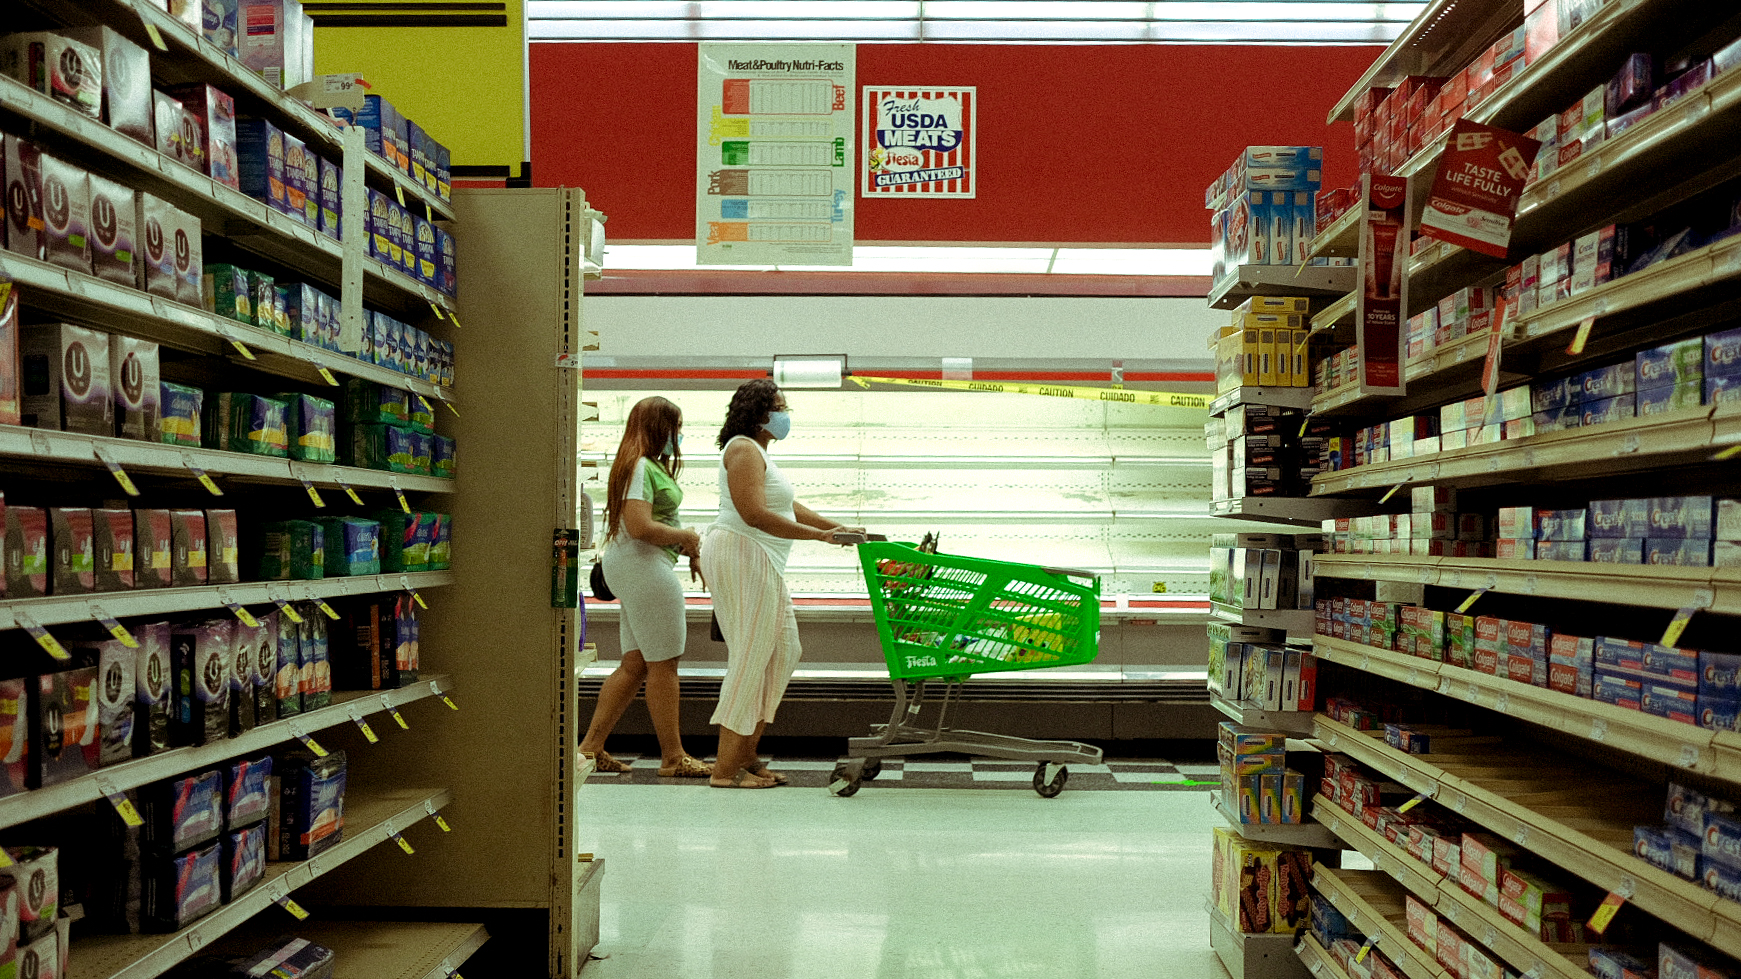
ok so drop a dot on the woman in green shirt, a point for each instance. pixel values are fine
(643, 541)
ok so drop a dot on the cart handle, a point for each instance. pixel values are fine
(1073, 573)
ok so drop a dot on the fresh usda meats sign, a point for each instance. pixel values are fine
(919, 142)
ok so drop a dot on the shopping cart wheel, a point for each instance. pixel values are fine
(847, 778)
(1050, 787)
(872, 768)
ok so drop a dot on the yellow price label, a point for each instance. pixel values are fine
(1605, 912)
(1303, 423)
(1361, 955)
(310, 744)
(313, 494)
(128, 812)
(1581, 337)
(1727, 454)
(450, 407)
(398, 718)
(120, 632)
(453, 317)
(368, 732)
(1467, 602)
(289, 613)
(350, 492)
(242, 613)
(404, 844)
(1386, 497)
(44, 638)
(436, 309)
(403, 504)
(327, 609)
(5, 858)
(1417, 800)
(449, 702)
(289, 904)
(419, 600)
(327, 376)
(115, 469)
(156, 36)
(1159, 588)
(439, 821)
(1677, 625)
(206, 481)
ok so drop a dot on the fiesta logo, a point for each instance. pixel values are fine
(154, 241)
(76, 369)
(132, 379)
(183, 250)
(57, 203)
(72, 67)
(103, 220)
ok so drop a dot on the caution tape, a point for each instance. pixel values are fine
(1162, 399)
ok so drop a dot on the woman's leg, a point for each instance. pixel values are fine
(613, 698)
(662, 701)
(736, 753)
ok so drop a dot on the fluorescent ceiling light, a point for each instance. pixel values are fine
(963, 259)
(984, 21)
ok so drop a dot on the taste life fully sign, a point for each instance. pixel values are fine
(1475, 194)
(919, 142)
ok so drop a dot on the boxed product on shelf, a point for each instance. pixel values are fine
(260, 163)
(441, 543)
(442, 457)
(243, 863)
(332, 180)
(290, 550)
(125, 80)
(447, 272)
(262, 670)
(137, 388)
(151, 704)
(245, 800)
(216, 113)
(352, 546)
(114, 231)
(200, 655)
(188, 252)
(35, 878)
(153, 549)
(387, 447)
(312, 805)
(314, 661)
(278, 43)
(179, 890)
(229, 292)
(250, 423)
(221, 24)
(62, 726)
(183, 414)
(73, 559)
(11, 410)
(66, 70)
(264, 290)
(158, 222)
(296, 188)
(298, 958)
(223, 547)
(310, 183)
(113, 550)
(240, 673)
(66, 379)
(310, 428)
(379, 121)
(287, 672)
(25, 226)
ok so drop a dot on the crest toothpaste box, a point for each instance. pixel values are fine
(1674, 363)
(1681, 517)
(1610, 410)
(1615, 550)
(1685, 553)
(1672, 398)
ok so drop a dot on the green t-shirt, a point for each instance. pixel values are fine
(650, 482)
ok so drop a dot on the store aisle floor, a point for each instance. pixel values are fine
(911, 884)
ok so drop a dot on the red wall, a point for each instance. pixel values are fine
(1077, 143)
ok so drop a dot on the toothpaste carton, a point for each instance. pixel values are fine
(1681, 517)
(1610, 410)
(1718, 713)
(1656, 401)
(1574, 550)
(1560, 525)
(1667, 662)
(1670, 364)
(1674, 551)
(1549, 395)
(1621, 691)
(1620, 654)
(1605, 382)
(1722, 390)
(1723, 354)
(1619, 518)
(1615, 550)
(1720, 674)
(1677, 703)
(1571, 664)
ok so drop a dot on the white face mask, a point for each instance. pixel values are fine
(779, 424)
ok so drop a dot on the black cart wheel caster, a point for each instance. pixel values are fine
(1049, 788)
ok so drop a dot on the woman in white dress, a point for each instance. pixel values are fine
(743, 560)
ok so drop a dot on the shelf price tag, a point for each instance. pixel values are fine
(114, 626)
(1727, 454)
(348, 491)
(284, 606)
(398, 718)
(1677, 625)
(435, 814)
(435, 688)
(236, 608)
(441, 396)
(299, 734)
(363, 726)
(123, 806)
(200, 474)
(1470, 601)
(1606, 911)
(308, 484)
(321, 604)
(289, 904)
(453, 318)
(399, 192)
(405, 583)
(108, 460)
(1371, 940)
(435, 308)
(393, 481)
(400, 839)
(156, 36)
(325, 374)
(1582, 337)
(28, 623)
(424, 402)
(1417, 800)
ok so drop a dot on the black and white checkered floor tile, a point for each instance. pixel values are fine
(1122, 774)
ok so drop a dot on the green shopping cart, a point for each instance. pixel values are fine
(943, 618)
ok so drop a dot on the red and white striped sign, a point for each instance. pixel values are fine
(919, 142)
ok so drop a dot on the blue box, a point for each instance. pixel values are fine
(1560, 525)
(1610, 410)
(1619, 519)
(1615, 550)
(1722, 838)
(1673, 398)
(1561, 550)
(1723, 881)
(332, 182)
(374, 119)
(1651, 844)
(1723, 390)
(1676, 703)
(1678, 553)
(1614, 963)
(1558, 419)
(1673, 363)
(1720, 674)
(1686, 808)
(260, 164)
(1605, 382)
(1549, 395)
(1682, 518)
(313, 804)
(1723, 354)
(245, 798)
(1626, 654)
(1718, 713)
(1620, 691)
(1678, 665)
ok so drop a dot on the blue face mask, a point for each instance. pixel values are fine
(673, 444)
(779, 424)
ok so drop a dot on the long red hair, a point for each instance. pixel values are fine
(651, 426)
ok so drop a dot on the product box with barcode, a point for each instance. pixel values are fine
(188, 249)
(112, 537)
(63, 724)
(25, 228)
(152, 704)
(66, 70)
(114, 231)
(332, 181)
(138, 387)
(157, 225)
(313, 799)
(66, 379)
(200, 655)
(66, 213)
(126, 80)
(1681, 517)
(216, 112)
(179, 890)
(260, 165)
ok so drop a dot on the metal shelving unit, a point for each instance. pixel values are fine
(1317, 282)
(66, 609)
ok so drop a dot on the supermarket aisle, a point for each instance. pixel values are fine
(931, 883)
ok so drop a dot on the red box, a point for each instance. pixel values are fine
(1448, 949)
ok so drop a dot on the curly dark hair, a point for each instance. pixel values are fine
(750, 406)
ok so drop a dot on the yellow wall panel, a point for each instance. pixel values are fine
(462, 84)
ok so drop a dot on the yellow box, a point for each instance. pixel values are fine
(1266, 358)
(1250, 351)
(1274, 304)
(1274, 321)
(1302, 376)
(1284, 358)
(1230, 362)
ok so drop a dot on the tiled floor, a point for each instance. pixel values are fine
(1125, 774)
(929, 882)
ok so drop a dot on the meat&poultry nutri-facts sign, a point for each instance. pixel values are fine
(774, 154)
